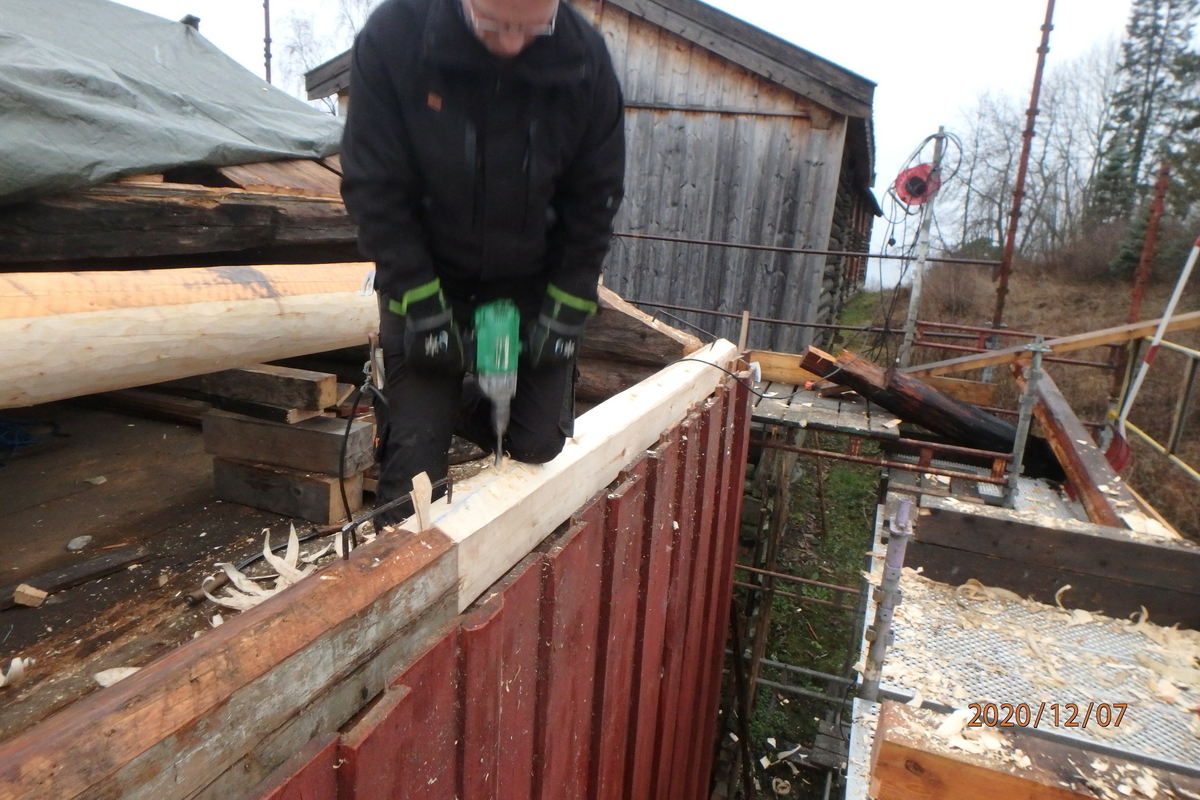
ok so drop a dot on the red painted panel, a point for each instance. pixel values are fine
(618, 648)
(407, 746)
(705, 633)
(308, 775)
(570, 619)
(662, 480)
(728, 524)
(498, 649)
(672, 714)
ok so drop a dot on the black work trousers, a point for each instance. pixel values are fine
(424, 412)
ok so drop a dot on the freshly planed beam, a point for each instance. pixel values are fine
(782, 367)
(277, 386)
(169, 729)
(1063, 344)
(621, 332)
(503, 515)
(70, 334)
(304, 495)
(314, 445)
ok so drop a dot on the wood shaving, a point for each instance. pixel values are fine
(16, 672)
(108, 677)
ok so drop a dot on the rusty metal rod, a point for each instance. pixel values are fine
(953, 448)
(1010, 237)
(962, 348)
(796, 579)
(770, 320)
(883, 463)
(808, 251)
(979, 329)
(800, 597)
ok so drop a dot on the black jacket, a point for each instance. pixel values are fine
(479, 170)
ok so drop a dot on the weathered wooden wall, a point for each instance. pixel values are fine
(719, 153)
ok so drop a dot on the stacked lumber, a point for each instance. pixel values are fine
(278, 451)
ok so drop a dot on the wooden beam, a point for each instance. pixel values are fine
(911, 761)
(1096, 483)
(303, 495)
(502, 515)
(782, 367)
(1064, 344)
(977, 393)
(314, 445)
(299, 176)
(621, 332)
(70, 334)
(60, 580)
(275, 386)
(169, 729)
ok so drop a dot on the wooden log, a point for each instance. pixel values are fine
(600, 379)
(1085, 464)
(911, 761)
(60, 580)
(70, 334)
(621, 332)
(304, 495)
(274, 386)
(314, 445)
(1058, 346)
(172, 727)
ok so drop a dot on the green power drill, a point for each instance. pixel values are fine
(497, 347)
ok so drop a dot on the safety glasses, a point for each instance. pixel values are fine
(482, 25)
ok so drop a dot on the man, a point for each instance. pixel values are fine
(483, 158)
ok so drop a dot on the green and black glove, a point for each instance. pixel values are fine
(432, 341)
(554, 339)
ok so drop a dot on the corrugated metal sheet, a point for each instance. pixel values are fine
(592, 669)
(719, 153)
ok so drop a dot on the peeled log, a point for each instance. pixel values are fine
(70, 334)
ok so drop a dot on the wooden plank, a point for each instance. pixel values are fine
(410, 749)
(783, 367)
(1058, 346)
(287, 416)
(1087, 549)
(618, 644)
(311, 774)
(274, 386)
(663, 477)
(304, 495)
(977, 393)
(672, 707)
(498, 658)
(299, 176)
(314, 445)
(158, 730)
(570, 617)
(1084, 463)
(910, 761)
(505, 513)
(60, 580)
(69, 334)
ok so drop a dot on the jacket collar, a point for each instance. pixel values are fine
(560, 58)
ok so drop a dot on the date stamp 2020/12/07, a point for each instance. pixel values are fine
(1055, 715)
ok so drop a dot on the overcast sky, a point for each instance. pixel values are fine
(930, 58)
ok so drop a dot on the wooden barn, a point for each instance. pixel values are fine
(734, 136)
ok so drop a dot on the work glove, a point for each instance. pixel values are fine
(433, 342)
(554, 339)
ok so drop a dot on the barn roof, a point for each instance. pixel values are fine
(763, 53)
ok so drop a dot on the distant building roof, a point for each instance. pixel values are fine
(93, 90)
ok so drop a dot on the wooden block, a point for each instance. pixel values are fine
(62, 579)
(782, 367)
(305, 495)
(26, 595)
(288, 416)
(310, 446)
(276, 386)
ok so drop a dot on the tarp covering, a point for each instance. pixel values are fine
(91, 90)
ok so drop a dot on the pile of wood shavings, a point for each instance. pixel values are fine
(1162, 676)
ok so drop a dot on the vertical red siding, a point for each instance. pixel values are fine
(591, 671)
(308, 775)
